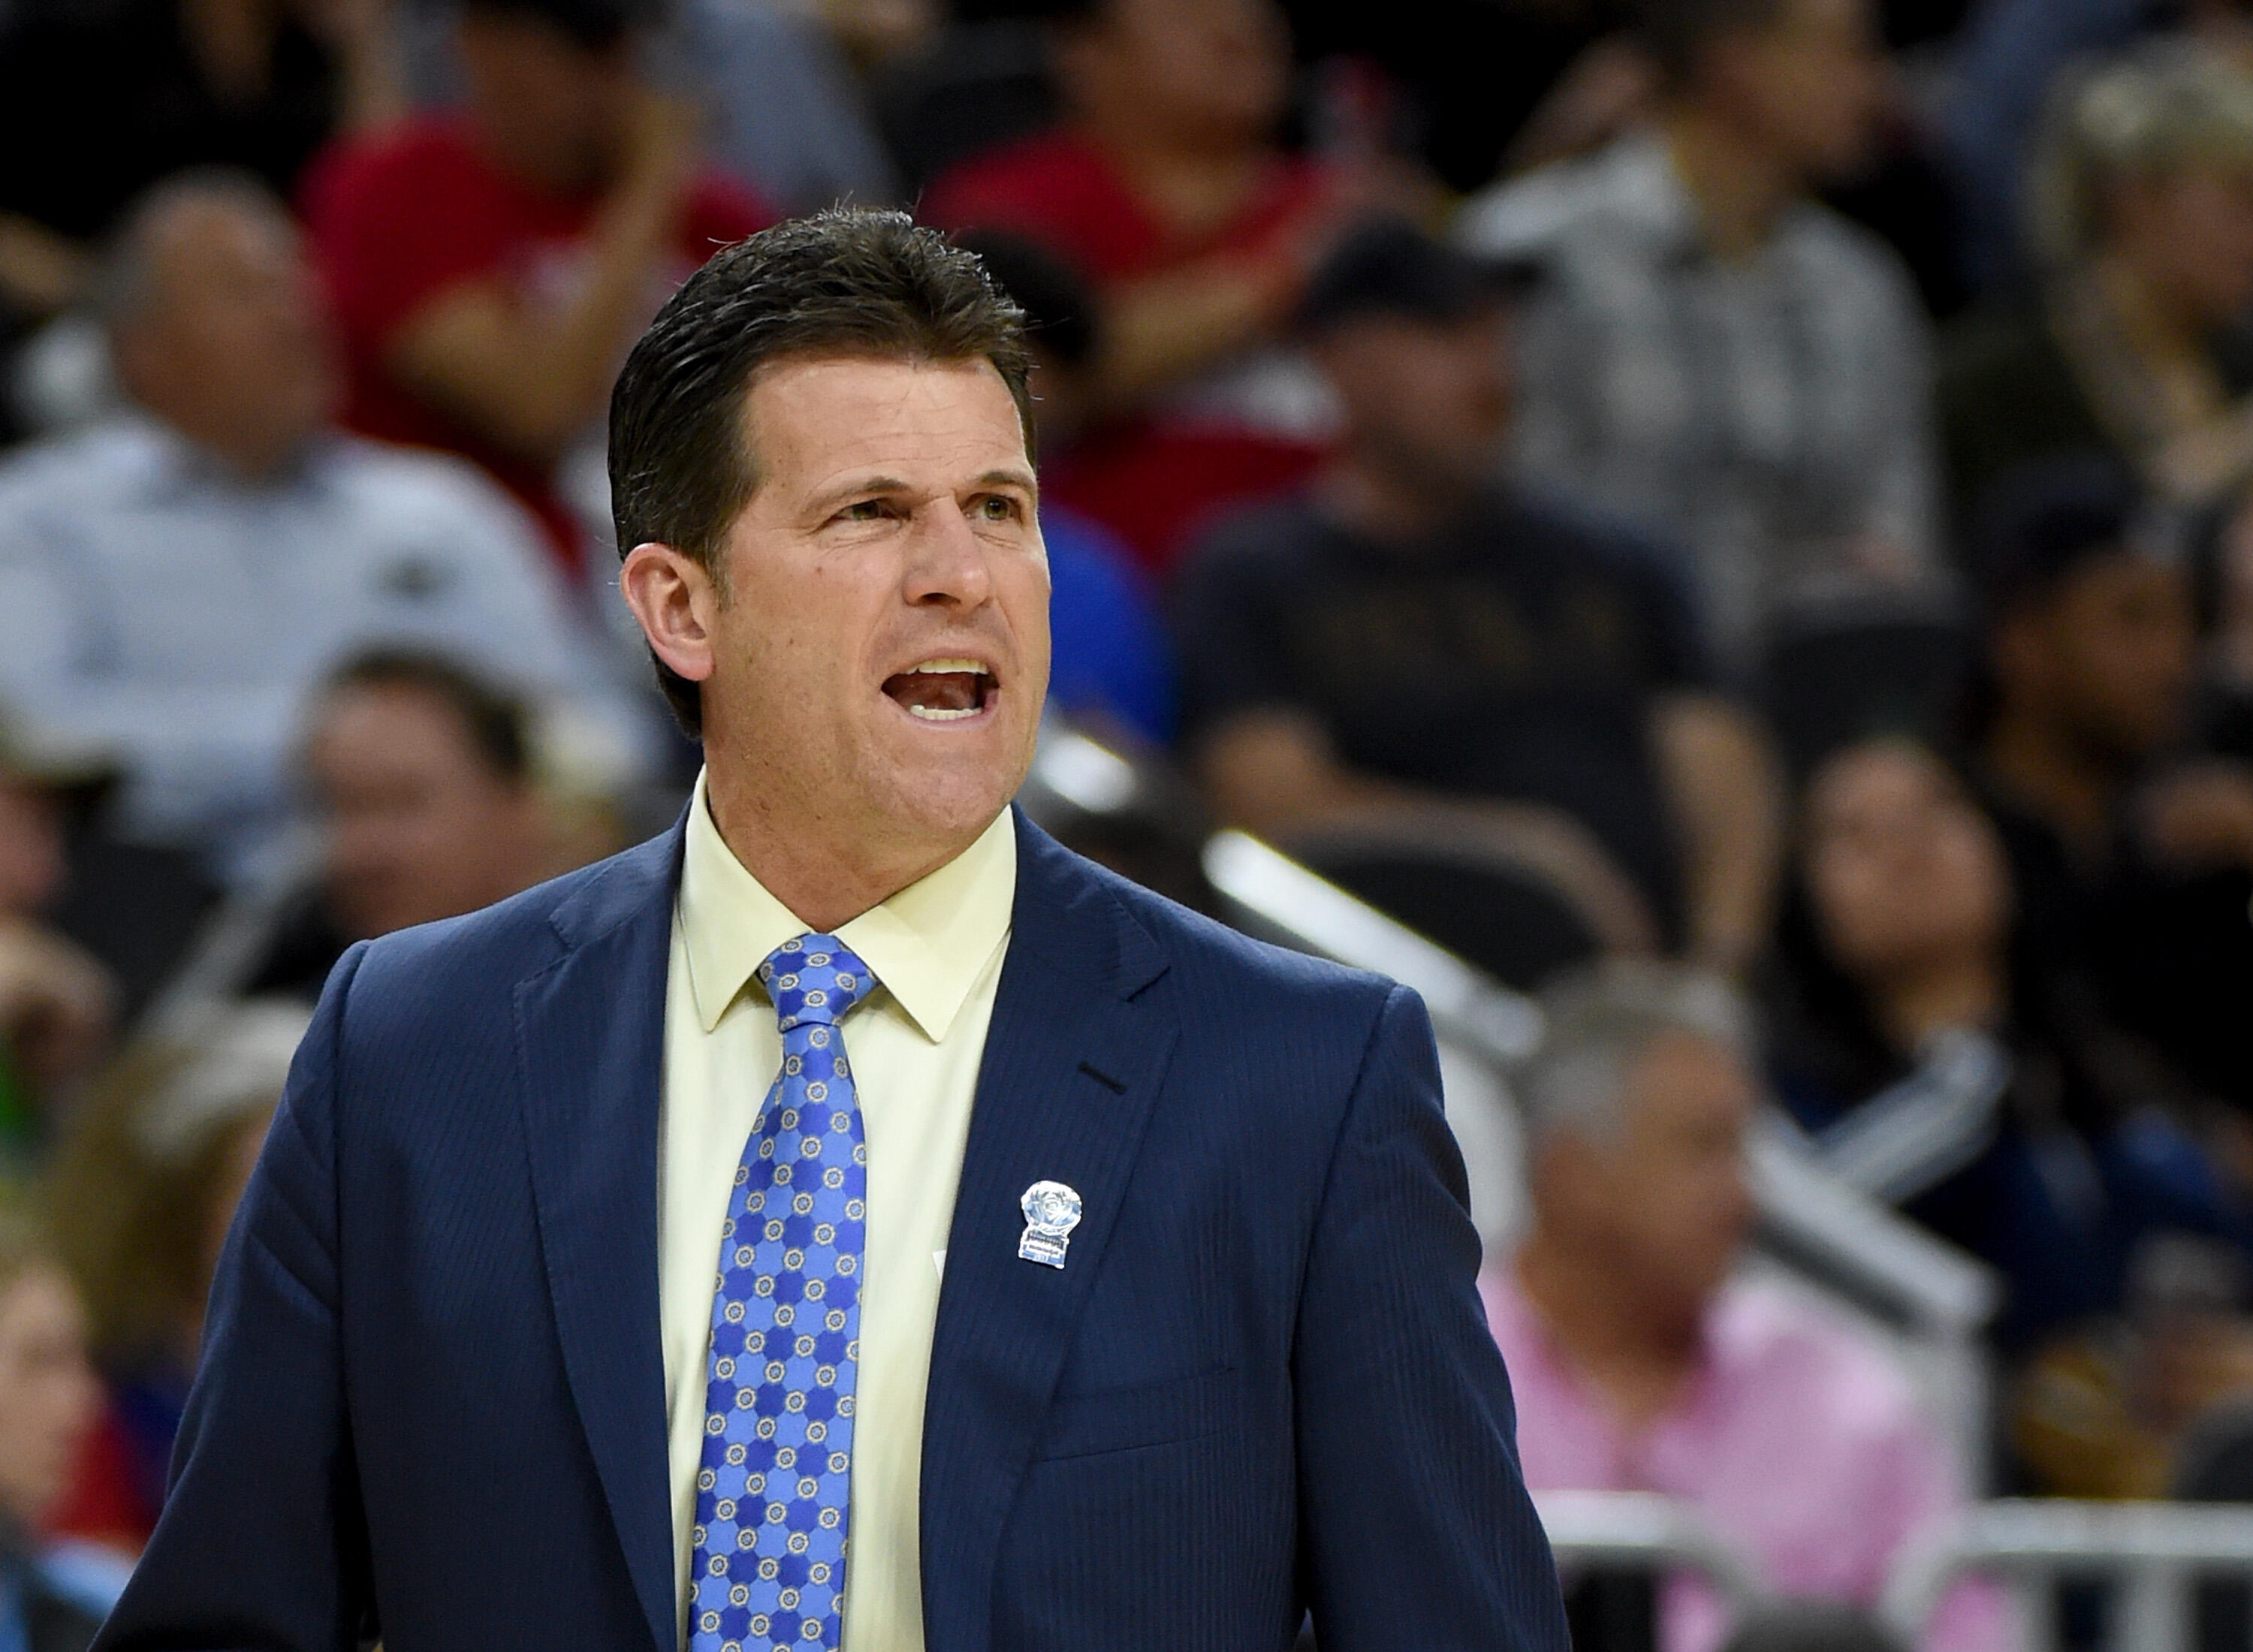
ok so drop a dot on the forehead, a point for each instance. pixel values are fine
(1683, 1075)
(811, 420)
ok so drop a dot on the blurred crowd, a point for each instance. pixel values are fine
(1734, 515)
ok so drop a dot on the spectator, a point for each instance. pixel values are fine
(2129, 857)
(1976, 1084)
(172, 583)
(58, 1003)
(788, 116)
(52, 1596)
(2144, 238)
(1165, 190)
(1405, 634)
(1716, 351)
(145, 88)
(424, 787)
(1109, 661)
(1640, 1363)
(141, 1197)
(490, 267)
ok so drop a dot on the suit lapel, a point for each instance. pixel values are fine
(1073, 1061)
(590, 1045)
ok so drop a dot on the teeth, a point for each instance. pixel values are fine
(933, 714)
(935, 665)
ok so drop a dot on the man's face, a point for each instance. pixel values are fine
(1665, 1203)
(419, 826)
(2191, 234)
(1428, 402)
(880, 649)
(233, 345)
(1810, 85)
(552, 111)
(1214, 71)
(49, 1396)
(2108, 656)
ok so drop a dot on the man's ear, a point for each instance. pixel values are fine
(673, 600)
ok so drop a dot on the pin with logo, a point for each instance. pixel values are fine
(1051, 1212)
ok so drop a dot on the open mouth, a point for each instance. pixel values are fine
(943, 690)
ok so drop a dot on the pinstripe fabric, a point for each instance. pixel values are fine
(1261, 1381)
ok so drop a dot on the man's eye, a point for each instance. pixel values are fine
(996, 507)
(864, 511)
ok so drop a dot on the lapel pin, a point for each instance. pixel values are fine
(1051, 1212)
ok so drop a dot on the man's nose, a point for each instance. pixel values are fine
(947, 562)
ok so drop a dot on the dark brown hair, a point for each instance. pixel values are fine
(496, 724)
(843, 282)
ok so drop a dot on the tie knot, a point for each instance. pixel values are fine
(813, 980)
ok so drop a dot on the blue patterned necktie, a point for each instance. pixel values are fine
(768, 1573)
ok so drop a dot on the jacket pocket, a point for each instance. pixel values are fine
(1159, 1414)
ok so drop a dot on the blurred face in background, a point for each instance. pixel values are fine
(1204, 73)
(2189, 235)
(2104, 658)
(547, 108)
(1902, 870)
(49, 1396)
(229, 342)
(1663, 1204)
(1808, 85)
(420, 825)
(1427, 403)
(32, 864)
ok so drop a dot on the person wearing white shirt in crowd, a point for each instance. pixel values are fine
(175, 580)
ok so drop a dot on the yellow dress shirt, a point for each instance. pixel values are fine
(937, 948)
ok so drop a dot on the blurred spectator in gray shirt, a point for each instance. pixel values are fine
(172, 583)
(1715, 350)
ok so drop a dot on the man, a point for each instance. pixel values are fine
(1166, 191)
(422, 783)
(174, 584)
(1714, 349)
(491, 267)
(2132, 859)
(1641, 1365)
(1144, 1286)
(1406, 636)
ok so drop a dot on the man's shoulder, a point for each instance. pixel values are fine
(1260, 990)
(1776, 1336)
(457, 967)
(1280, 535)
(1621, 195)
(386, 169)
(422, 485)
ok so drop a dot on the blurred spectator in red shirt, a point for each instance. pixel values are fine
(1166, 190)
(490, 267)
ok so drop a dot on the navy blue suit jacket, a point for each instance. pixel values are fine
(432, 1403)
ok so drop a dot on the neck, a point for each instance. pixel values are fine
(1638, 1353)
(1190, 180)
(2040, 767)
(1737, 184)
(1381, 502)
(825, 878)
(1924, 998)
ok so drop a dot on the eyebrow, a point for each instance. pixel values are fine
(864, 487)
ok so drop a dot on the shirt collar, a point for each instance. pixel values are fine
(927, 945)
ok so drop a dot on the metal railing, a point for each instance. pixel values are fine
(2151, 1553)
(1641, 1529)
(1934, 1298)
